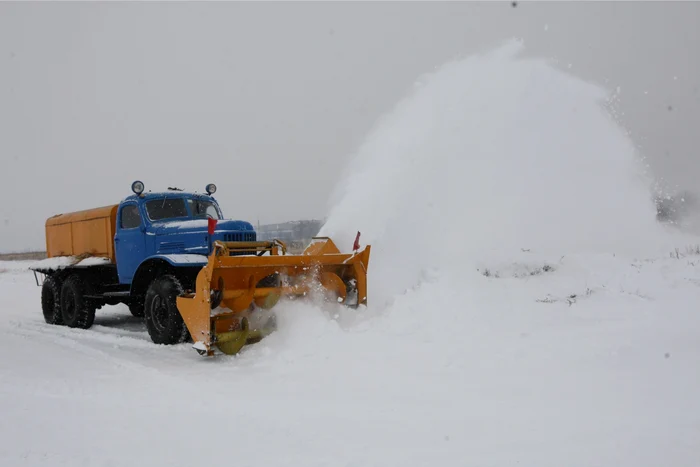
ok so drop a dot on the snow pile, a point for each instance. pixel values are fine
(490, 155)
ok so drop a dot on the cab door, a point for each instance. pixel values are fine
(129, 241)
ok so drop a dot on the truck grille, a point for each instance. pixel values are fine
(240, 237)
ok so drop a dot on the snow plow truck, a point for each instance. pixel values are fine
(192, 275)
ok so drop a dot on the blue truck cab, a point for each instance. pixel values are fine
(171, 227)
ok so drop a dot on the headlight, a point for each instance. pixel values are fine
(211, 189)
(137, 187)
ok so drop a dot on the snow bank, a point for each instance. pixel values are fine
(487, 156)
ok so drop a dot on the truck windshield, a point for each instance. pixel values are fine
(166, 208)
(201, 208)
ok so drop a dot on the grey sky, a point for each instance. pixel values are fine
(270, 100)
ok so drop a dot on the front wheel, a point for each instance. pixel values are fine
(163, 320)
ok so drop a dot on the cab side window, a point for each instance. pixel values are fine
(130, 217)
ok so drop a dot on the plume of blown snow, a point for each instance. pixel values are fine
(489, 155)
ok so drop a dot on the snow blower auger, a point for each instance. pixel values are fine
(239, 282)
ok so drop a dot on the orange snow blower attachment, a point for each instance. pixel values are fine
(236, 290)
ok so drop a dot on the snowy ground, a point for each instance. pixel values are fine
(607, 378)
(523, 310)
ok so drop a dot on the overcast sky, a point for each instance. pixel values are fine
(269, 100)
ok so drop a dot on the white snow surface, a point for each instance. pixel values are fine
(523, 310)
(57, 262)
(186, 258)
(186, 224)
(93, 261)
(60, 262)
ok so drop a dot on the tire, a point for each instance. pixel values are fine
(163, 320)
(77, 311)
(137, 308)
(50, 301)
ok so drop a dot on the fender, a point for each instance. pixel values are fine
(156, 264)
(180, 259)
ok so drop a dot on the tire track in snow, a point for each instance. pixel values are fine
(93, 344)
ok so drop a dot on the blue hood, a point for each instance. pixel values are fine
(200, 225)
(191, 236)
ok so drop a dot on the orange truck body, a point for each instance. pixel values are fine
(82, 233)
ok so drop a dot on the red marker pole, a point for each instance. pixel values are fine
(356, 245)
(211, 226)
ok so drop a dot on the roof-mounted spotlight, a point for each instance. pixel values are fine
(137, 187)
(211, 189)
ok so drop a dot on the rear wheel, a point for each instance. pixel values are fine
(76, 310)
(163, 320)
(50, 301)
